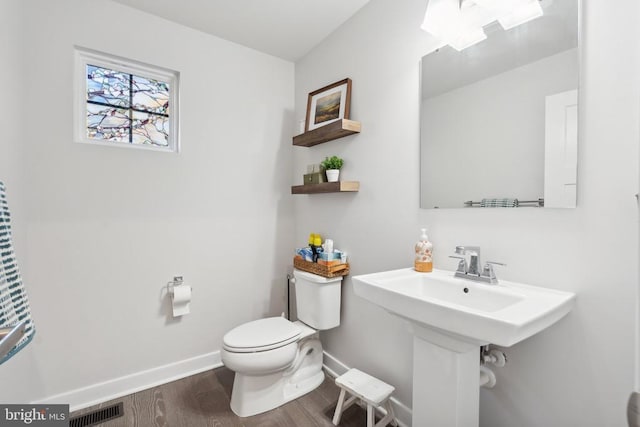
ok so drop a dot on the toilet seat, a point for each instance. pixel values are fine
(261, 335)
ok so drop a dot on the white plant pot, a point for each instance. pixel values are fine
(333, 175)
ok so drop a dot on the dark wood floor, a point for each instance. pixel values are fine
(203, 400)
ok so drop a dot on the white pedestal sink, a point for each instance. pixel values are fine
(451, 318)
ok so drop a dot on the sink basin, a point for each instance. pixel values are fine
(479, 313)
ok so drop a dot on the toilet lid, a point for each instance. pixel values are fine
(263, 334)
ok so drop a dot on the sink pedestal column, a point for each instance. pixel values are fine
(446, 381)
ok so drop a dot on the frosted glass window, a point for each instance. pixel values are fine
(125, 103)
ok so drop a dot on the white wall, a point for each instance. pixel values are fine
(108, 227)
(491, 134)
(578, 372)
(11, 141)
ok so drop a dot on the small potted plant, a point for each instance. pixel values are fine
(332, 166)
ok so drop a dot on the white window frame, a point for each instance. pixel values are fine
(84, 57)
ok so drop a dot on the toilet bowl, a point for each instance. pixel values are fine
(273, 374)
(276, 360)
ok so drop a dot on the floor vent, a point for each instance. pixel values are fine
(98, 416)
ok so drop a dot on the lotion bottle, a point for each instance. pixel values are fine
(424, 251)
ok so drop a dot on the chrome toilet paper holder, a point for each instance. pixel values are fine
(177, 281)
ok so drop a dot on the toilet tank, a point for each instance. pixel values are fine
(318, 299)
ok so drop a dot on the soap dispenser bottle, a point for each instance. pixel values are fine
(424, 250)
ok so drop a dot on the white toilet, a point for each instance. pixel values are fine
(276, 360)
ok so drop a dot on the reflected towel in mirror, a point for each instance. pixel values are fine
(499, 203)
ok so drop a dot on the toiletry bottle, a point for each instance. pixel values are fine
(424, 250)
(316, 247)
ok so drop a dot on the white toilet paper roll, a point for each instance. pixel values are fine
(180, 299)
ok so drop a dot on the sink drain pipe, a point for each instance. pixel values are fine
(487, 377)
(496, 358)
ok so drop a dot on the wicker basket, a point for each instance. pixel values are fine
(321, 270)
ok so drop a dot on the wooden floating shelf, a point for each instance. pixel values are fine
(327, 187)
(332, 131)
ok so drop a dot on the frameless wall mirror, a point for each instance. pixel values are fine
(499, 119)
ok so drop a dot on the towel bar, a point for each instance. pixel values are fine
(521, 203)
(10, 335)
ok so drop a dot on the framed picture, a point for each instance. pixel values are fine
(329, 104)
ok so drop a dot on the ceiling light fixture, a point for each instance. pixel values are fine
(459, 23)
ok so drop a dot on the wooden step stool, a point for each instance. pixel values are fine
(368, 389)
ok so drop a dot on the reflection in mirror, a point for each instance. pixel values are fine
(499, 119)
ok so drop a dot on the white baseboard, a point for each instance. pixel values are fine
(101, 392)
(108, 390)
(335, 368)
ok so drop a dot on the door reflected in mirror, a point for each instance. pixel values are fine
(499, 120)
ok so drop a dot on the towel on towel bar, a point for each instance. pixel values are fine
(499, 203)
(14, 305)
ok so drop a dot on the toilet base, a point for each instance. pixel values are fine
(254, 394)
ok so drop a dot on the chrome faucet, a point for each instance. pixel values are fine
(471, 270)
